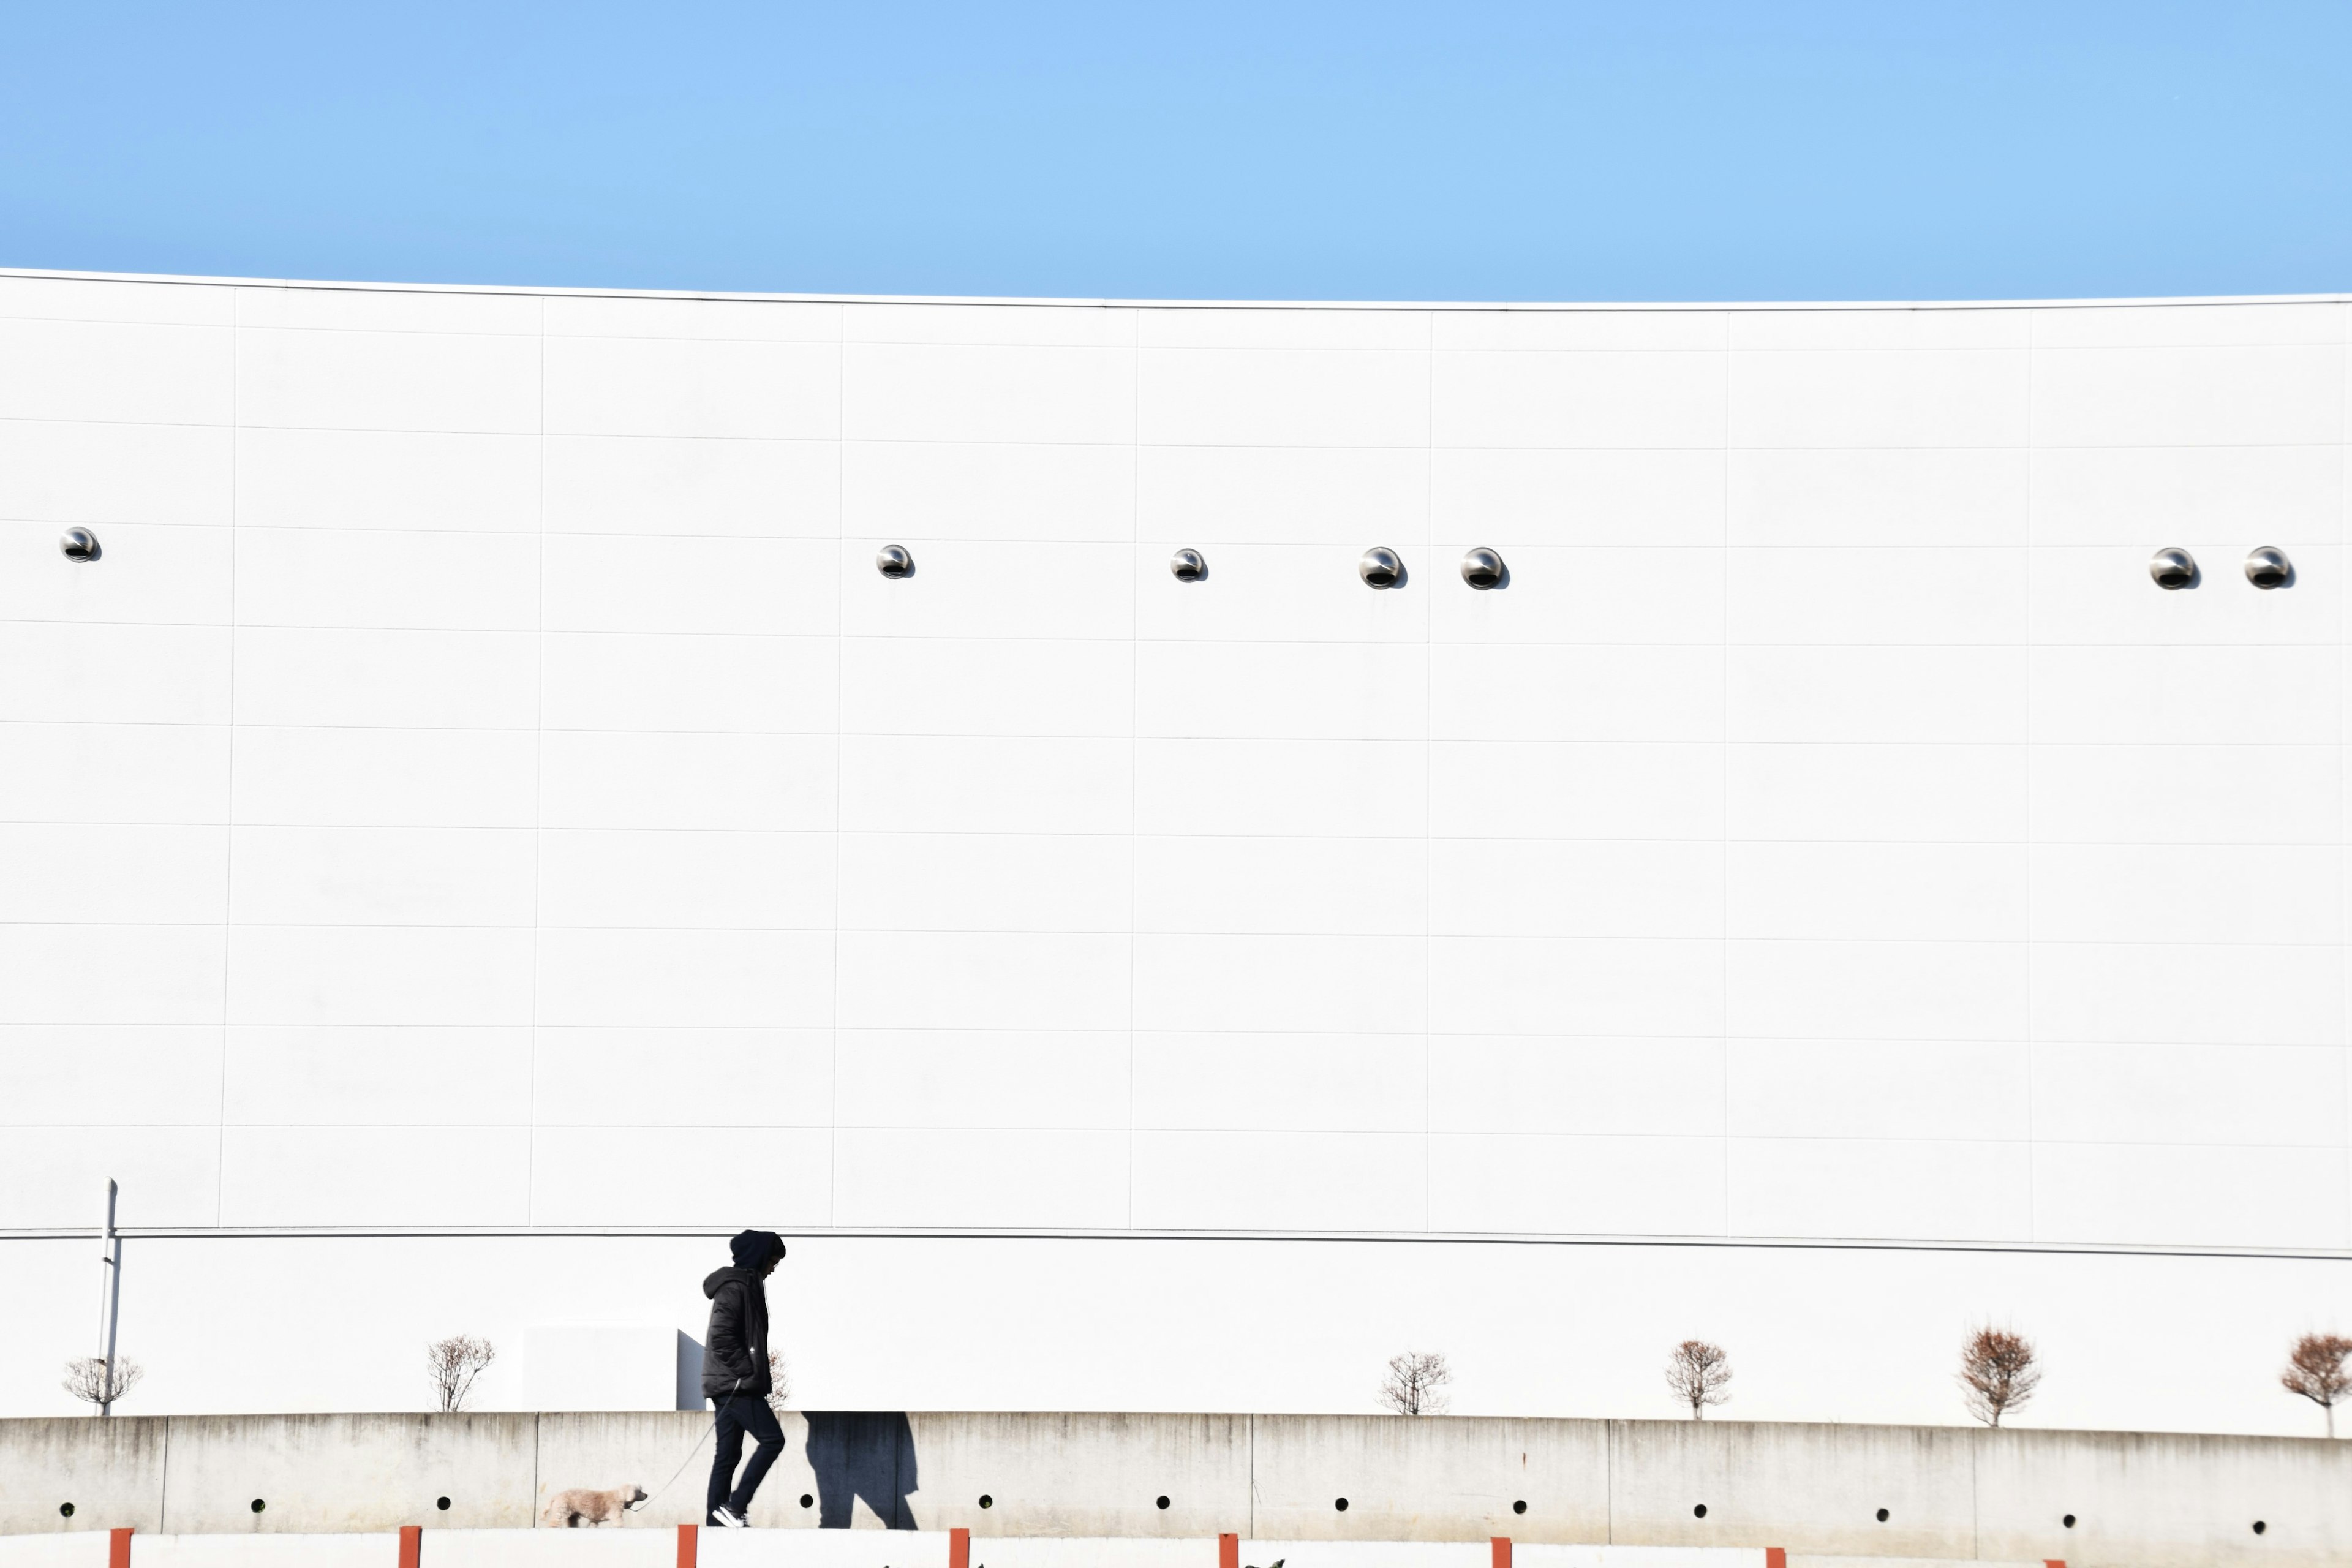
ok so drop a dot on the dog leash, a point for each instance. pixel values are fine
(690, 1453)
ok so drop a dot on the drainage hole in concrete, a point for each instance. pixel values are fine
(65, 1510)
(1699, 1513)
(1520, 1506)
(807, 1502)
(2260, 1527)
(2068, 1521)
(1163, 1502)
(1882, 1516)
(986, 1500)
(259, 1505)
(1340, 1504)
(442, 1503)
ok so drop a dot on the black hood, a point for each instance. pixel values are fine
(753, 1247)
(721, 1276)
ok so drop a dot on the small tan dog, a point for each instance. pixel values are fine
(583, 1506)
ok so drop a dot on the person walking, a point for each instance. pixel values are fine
(735, 1376)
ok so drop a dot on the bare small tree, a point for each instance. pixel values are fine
(2315, 1369)
(89, 1379)
(1998, 1373)
(453, 1363)
(1697, 1373)
(1415, 1385)
(780, 1382)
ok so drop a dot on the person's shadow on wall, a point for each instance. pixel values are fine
(862, 1455)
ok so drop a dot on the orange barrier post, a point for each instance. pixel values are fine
(117, 1547)
(959, 1548)
(1775, 1557)
(412, 1545)
(2054, 1563)
(1229, 1552)
(689, 1540)
(1502, 1548)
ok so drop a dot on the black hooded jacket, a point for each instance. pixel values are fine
(735, 1351)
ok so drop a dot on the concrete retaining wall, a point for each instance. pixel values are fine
(2146, 1501)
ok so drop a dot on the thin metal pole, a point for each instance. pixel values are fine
(110, 1300)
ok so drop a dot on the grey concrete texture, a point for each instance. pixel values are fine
(2149, 1500)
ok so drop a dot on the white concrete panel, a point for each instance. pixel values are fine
(1543, 789)
(988, 321)
(1656, 1086)
(413, 1076)
(1326, 692)
(978, 784)
(711, 979)
(2148, 496)
(159, 573)
(1283, 397)
(606, 1077)
(374, 1175)
(661, 1175)
(62, 471)
(395, 679)
(1495, 331)
(1486, 692)
(1965, 1090)
(2187, 893)
(53, 973)
(1885, 498)
(1061, 1179)
(2227, 994)
(1357, 496)
(114, 772)
(1945, 695)
(673, 386)
(1518, 1182)
(1363, 886)
(146, 1074)
(432, 479)
(713, 683)
(934, 391)
(961, 1077)
(1896, 327)
(1360, 789)
(1303, 327)
(1816, 790)
(113, 371)
(2282, 1095)
(1580, 595)
(2258, 696)
(88, 873)
(2210, 322)
(386, 778)
(2173, 1195)
(56, 1176)
(1850, 594)
(387, 381)
(383, 876)
(1598, 399)
(1286, 1181)
(983, 980)
(1575, 986)
(634, 583)
(1899, 892)
(676, 487)
(1882, 397)
(379, 578)
(114, 674)
(1278, 1083)
(1582, 888)
(686, 877)
(985, 881)
(749, 783)
(966, 588)
(1354, 984)
(1561, 499)
(1269, 593)
(2184, 396)
(2188, 795)
(755, 320)
(388, 310)
(114, 299)
(1878, 990)
(984, 686)
(976, 490)
(1927, 1190)
(370, 974)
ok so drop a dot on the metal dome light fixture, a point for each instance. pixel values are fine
(2172, 567)
(893, 560)
(1381, 567)
(2268, 567)
(1482, 568)
(1188, 565)
(78, 544)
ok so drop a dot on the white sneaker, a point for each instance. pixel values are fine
(730, 1518)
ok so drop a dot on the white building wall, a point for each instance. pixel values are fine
(486, 784)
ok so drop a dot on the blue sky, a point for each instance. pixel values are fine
(1660, 150)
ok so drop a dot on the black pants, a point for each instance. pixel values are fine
(743, 1413)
